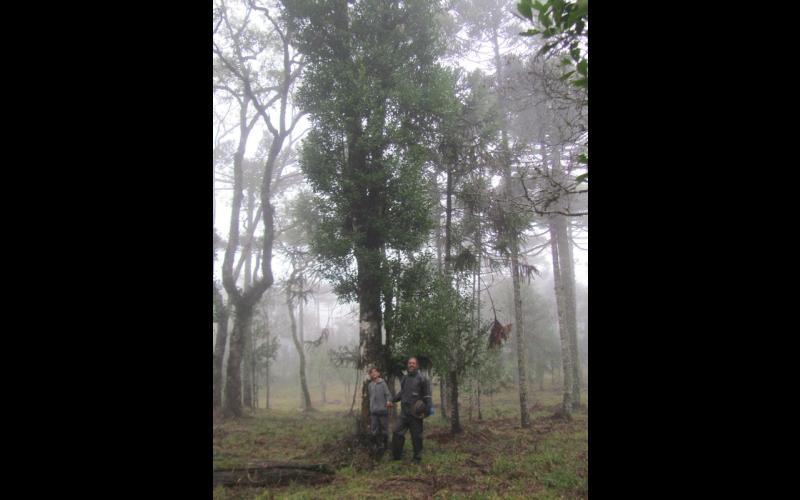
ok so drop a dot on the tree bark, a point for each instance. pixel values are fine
(443, 397)
(566, 352)
(219, 346)
(455, 418)
(478, 398)
(355, 391)
(233, 388)
(305, 397)
(370, 318)
(513, 245)
(247, 372)
(568, 280)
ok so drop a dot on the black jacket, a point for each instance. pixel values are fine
(413, 388)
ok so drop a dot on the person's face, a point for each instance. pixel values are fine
(412, 365)
(374, 375)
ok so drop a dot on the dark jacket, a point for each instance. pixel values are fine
(413, 388)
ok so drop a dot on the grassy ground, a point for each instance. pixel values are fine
(494, 458)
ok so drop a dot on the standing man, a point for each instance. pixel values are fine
(379, 400)
(415, 394)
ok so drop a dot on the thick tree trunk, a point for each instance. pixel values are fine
(566, 352)
(305, 397)
(370, 318)
(219, 346)
(247, 372)
(233, 387)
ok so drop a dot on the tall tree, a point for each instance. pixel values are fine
(370, 89)
(244, 71)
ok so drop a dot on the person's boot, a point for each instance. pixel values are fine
(417, 459)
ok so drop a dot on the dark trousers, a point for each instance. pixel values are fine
(379, 425)
(407, 422)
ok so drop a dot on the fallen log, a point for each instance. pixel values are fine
(273, 474)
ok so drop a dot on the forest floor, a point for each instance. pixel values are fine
(493, 458)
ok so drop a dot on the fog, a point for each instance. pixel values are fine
(396, 180)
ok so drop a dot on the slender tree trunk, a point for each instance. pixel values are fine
(355, 391)
(266, 375)
(247, 372)
(525, 420)
(322, 386)
(471, 406)
(219, 346)
(566, 352)
(478, 398)
(443, 397)
(455, 421)
(255, 372)
(304, 394)
(568, 282)
(513, 247)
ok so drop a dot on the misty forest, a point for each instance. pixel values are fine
(399, 179)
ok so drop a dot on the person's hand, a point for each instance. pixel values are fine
(389, 404)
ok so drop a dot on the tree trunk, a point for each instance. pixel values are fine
(233, 387)
(513, 245)
(455, 421)
(370, 318)
(254, 369)
(568, 283)
(247, 372)
(219, 345)
(443, 397)
(525, 420)
(322, 385)
(305, 396)
(266, 378)
(355, 391)
(471, 406)
(478, 398)
(566, 354)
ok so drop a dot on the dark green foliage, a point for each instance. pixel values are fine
(373, 93)
(434, 320)
(564, 27)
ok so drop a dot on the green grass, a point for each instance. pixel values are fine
(493, 458)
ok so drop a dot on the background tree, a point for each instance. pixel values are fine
(244, 71)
